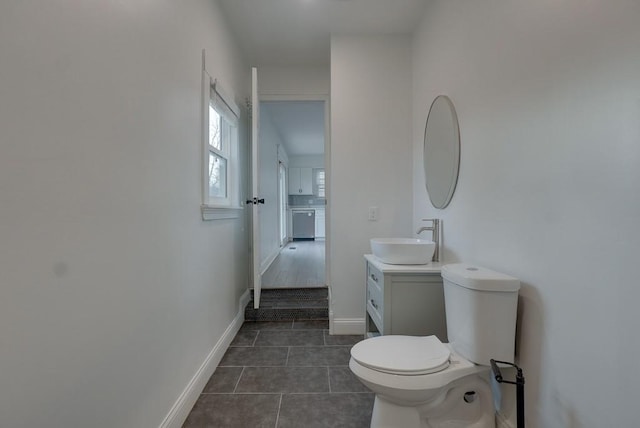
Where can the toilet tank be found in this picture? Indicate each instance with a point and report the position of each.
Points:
(480, 307)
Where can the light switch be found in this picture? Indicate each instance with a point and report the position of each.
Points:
(373, 213)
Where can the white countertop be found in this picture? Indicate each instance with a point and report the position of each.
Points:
(431, 267)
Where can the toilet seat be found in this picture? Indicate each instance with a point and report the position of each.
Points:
(402, 355)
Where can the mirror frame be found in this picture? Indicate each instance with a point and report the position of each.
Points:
(455, 167)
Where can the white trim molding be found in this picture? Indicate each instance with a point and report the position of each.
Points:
(183, 405)
(339, 326)
(211, 213)
(330, 309)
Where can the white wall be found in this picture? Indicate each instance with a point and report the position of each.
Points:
(271, 150)
(307, 161)
(294, 81)
(114, 291)
(547, 95)
(370, 158)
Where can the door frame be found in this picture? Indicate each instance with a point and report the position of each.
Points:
(283, 222)
(327, 174)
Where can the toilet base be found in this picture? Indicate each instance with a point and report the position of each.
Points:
(448, 410)
(386, 415)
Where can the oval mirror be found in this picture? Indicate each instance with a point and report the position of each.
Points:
(441, 151)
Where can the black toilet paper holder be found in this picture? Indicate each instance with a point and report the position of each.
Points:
(519, 383)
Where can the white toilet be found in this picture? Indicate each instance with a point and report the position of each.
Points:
(422, 382)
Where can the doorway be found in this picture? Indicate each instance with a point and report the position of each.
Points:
(292, 145)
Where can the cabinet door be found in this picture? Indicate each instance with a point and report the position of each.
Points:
(306, 181)
(300, 181)
(417, 306)
(294, 181)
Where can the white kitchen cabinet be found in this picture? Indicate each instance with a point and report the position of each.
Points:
(404, 299)
(320, 223)
(300, 181)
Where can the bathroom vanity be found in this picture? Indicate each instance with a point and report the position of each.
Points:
(404, 299)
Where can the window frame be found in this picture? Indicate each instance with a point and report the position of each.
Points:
(215, 97)
(319, 185)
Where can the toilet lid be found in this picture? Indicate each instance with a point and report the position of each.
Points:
(402, 355)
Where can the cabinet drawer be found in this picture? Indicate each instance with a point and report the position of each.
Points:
(375, 276)
(375, 303)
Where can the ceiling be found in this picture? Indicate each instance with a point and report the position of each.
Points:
(297, 32)
(299, 123)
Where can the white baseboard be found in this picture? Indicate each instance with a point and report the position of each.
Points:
(330, 310)
(181, 408)
(346, 325)
(265, 265)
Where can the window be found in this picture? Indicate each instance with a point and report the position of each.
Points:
(220, 149)
(218, 157)
(318, 182)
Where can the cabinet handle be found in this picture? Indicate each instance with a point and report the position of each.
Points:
(373, 303)
(375, 278)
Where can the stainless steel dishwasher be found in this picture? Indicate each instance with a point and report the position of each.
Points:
(304, 224)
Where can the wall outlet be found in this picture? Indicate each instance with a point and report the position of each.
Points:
(373, 213)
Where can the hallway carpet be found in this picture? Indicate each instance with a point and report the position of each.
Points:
(285, 374)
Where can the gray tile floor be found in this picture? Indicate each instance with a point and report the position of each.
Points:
(284, 374)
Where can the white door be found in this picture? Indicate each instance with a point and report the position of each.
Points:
(255, 189)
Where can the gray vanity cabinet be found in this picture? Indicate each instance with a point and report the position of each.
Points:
(405, 300)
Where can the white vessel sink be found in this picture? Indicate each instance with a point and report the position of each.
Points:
(403, 251)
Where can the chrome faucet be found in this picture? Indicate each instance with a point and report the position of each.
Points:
(435, 235)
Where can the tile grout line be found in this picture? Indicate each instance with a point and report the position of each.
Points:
(329, 379)
(309, 393)
(255, 339)
(286, 361)
(278, 413)
(252, 393)
(238, 381)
